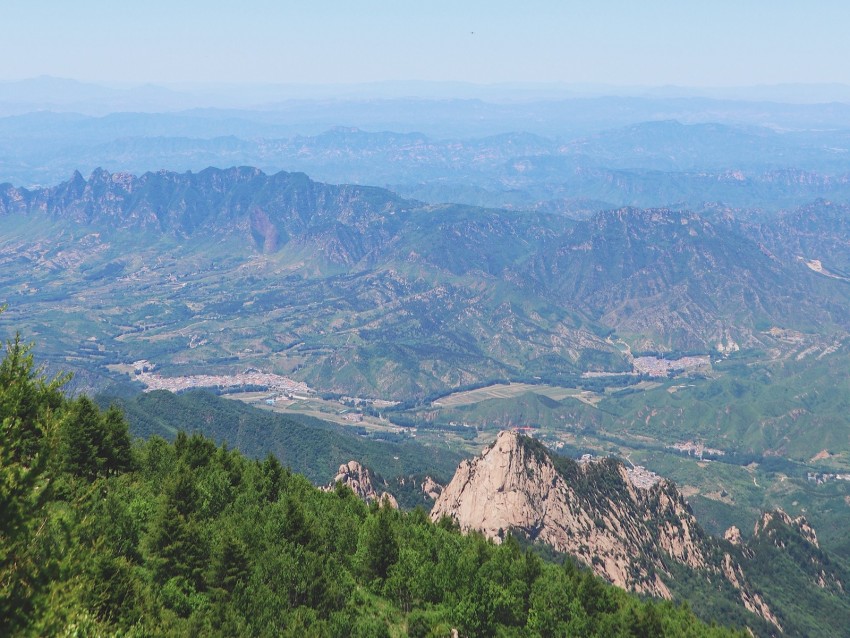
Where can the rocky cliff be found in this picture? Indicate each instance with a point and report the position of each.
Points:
(265, 211)
(359, 479)
(599, 516)
(777, 534)
(627, 534)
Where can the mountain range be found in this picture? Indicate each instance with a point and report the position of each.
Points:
(560, 156)
(367, 296)
(347, 286)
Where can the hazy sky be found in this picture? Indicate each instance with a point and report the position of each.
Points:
(627, 42)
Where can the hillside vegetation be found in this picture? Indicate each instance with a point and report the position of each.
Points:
(306, 445)
(356, 290)
(100, 536)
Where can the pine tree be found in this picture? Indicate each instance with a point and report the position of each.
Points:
(82, 444)
(27, 402)
(175, 541)
(229, 568)
(116, 449)
(378, 545)
(273, 474)
(27, 422)
(295, 526)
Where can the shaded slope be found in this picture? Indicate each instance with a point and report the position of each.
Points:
(308, 446)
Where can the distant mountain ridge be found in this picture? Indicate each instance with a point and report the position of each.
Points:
(473, 293)
(672, 154)
(271, 208)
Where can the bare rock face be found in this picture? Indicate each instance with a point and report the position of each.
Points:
(752, 601)
(766, 526)
(599, 516)
(592, 510)
(359, 479)
(733, 535)
(431, 488)
(264, 231)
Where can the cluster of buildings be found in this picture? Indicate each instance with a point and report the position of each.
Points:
(638, 475)
(642, 477)
(658, 367)
(821, 478)
(696, 449)
(250, 378)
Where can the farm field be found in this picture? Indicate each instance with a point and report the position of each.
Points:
(506, 391)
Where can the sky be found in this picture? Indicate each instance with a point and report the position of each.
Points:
(618, 42)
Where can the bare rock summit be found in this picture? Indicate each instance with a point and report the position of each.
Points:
(627, 534)
(359, 479)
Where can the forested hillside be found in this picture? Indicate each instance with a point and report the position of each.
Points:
(307, 445)
(101, 536)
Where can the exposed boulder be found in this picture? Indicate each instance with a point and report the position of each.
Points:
(431, 488)
(733, 535)
(359, 479)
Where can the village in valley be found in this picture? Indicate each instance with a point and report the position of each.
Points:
(143, 371)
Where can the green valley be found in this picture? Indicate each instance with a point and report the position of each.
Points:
(360, 326)
(98, 537)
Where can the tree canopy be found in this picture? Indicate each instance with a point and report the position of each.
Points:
(99, 535)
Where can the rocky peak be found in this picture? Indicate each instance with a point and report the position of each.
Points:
(591, 510)
(733, 535)
(431, 488)
(777, 534)
(767, 525)
(629, 534)
(359, 479)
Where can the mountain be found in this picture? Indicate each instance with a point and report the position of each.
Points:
(623, 526)
(521, 159)
(100, 536)
(816, 232)
(637, 531)
(808, 585)
(396, 273)
(698, 283)
(414, 298)
(244, 201)
(673, 146)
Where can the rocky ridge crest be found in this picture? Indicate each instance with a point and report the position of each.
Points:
(767, 525)
(626, 534)
(359, 479)
(777, 531)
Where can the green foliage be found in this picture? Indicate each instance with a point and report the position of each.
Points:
(312, 447)
(188, 538)
(27, 417)
(377, 546)
(94, 444)
(808, 587)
